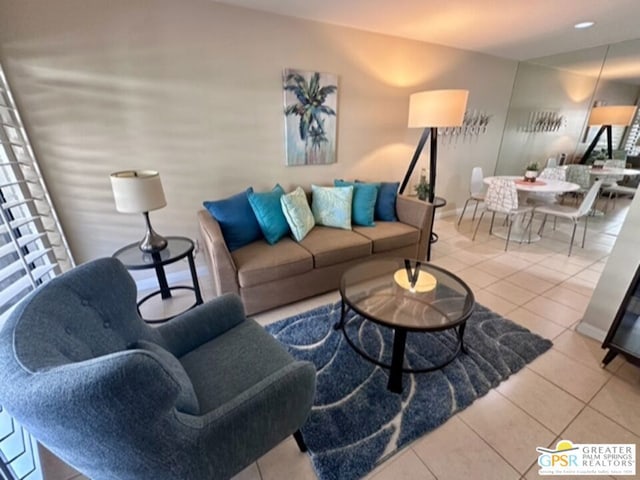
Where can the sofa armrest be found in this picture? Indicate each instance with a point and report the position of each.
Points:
(202, 324)
(221, 265)
(419, 214)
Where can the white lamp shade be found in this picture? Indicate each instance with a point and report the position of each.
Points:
(612, 115)
(137, 191)
(437, 108)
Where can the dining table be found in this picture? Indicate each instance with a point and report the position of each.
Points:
(524, 188)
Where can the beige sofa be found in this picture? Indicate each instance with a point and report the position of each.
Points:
(267, 276)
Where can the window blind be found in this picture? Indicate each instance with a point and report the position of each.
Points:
(33, 249)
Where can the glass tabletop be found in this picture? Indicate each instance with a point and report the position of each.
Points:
(133, 258)
(393, 292)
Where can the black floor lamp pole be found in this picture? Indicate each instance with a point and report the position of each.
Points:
(432, 164)
(594, 142)
(414, 160)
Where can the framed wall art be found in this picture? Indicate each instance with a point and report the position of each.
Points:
(310, 117)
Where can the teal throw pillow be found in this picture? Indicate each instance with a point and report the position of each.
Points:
(266, 207)
(187, 400)
(236, 218)
(386, 202)
(364, 202)
(331, 206)
(297, 212)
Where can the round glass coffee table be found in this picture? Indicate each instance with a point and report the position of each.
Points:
(406, 296)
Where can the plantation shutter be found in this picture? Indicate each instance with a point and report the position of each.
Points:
(33, 250)
(632, 141)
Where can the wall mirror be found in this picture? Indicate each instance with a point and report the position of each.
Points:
(552, 97)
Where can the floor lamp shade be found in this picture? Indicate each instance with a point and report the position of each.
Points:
(437, 108)
(607, 116)
(612, 115)
(140, 191)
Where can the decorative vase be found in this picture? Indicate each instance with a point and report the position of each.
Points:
(530, 175)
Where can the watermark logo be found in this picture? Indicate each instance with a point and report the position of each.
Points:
(570, 458)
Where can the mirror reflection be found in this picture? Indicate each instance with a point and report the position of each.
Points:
(551, 101)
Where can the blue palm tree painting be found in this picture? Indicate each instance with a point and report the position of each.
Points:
(310, 113)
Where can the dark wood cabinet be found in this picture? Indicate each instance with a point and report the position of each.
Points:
(624, 334)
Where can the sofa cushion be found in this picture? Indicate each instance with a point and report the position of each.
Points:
(389, 235)
(331, 206)
(260, 262)
(330, 246)
(296, 210)
(268, 211)
(364, 201)
(236, 218)
(187, 400)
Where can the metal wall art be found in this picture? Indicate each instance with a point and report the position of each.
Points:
(475, 123)
(545, 121)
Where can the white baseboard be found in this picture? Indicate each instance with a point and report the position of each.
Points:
(173, 278)
(591, 331)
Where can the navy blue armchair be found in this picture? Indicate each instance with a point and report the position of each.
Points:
(200, 397)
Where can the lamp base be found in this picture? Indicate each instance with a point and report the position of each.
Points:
(152, 242)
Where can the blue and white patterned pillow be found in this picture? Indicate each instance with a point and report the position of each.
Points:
(297, 212)
(331, 206)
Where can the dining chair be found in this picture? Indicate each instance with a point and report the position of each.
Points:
(551, 173)
(579, 174)
(571, 213)
(502, 197)
(552, 162)
(476, 192)
(610, 187)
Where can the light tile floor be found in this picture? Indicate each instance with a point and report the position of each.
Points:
(564, 394)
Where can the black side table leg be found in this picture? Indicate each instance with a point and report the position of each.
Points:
(165, 292)
(397, 360)
(194, 278)
(611, 354)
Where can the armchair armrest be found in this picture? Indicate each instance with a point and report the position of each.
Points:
(418, 214)
(241, 430)
(202, 324)
(221, 264)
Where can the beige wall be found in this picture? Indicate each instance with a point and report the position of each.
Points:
(193, 89)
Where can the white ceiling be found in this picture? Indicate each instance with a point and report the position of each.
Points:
(515, 29)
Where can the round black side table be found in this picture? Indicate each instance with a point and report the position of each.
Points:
(177, 248)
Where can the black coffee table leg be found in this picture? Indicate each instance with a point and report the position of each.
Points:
(343, 309)
(397, 361)
(460, 336)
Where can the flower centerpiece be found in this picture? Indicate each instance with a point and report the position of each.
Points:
(531, 172)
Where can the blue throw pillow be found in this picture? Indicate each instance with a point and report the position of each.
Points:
(268, 211)
(385, 209)
(364, 201)
(331, 206)
(236, 218)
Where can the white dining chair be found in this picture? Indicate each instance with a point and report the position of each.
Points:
(551, 173)
(476, 192)
(552, 162)
(610, 187)
(571, 213)
(576, 173)
(502, 197)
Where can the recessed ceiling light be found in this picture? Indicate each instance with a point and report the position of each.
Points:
(584, 25)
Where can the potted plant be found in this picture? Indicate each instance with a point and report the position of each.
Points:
(531, 172)
(423, 188)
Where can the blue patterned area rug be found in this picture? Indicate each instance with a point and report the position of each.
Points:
(356, 423)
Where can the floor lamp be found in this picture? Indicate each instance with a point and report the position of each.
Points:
(606, 117)
(430, 110)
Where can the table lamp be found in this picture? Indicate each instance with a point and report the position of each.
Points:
(140, 191)
(430, 110)
(606, 117)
